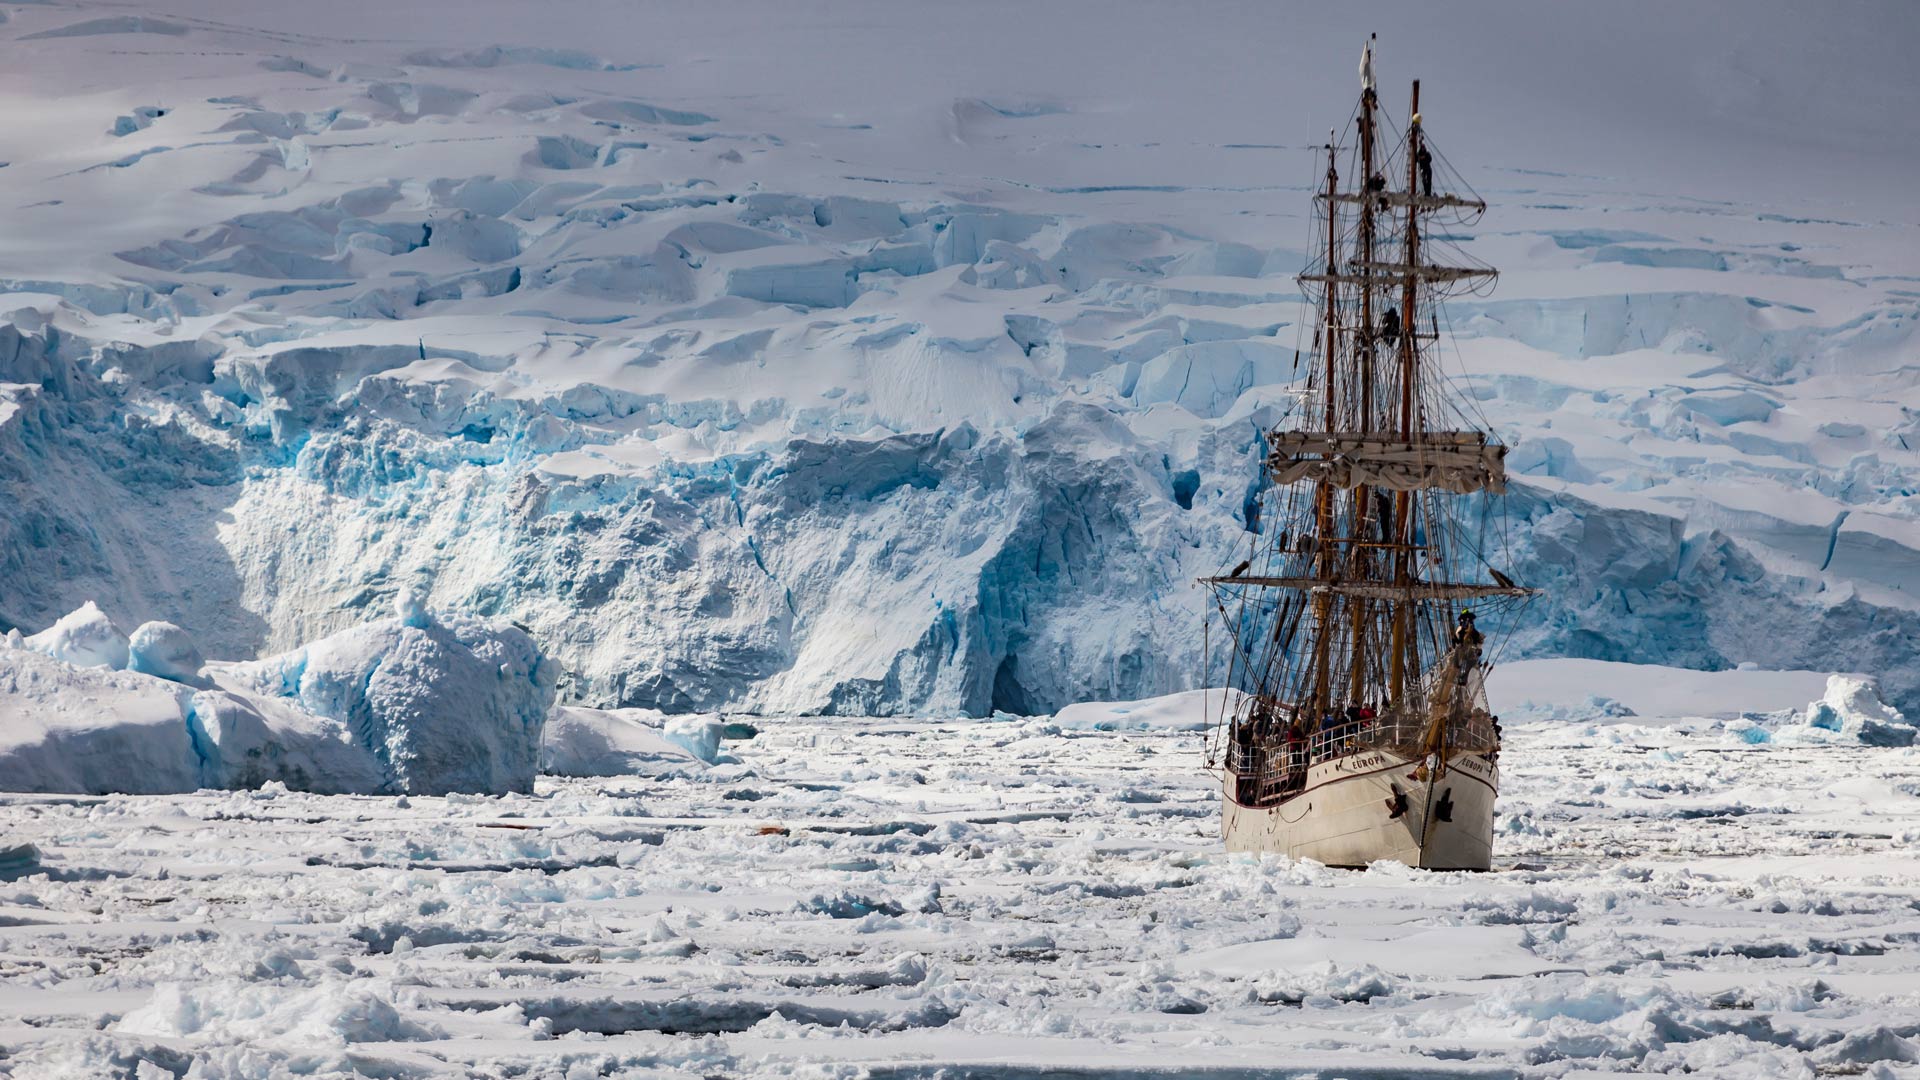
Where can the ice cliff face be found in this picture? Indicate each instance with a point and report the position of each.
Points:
(926, 403)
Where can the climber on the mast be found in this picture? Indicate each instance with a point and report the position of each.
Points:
(1467, 640)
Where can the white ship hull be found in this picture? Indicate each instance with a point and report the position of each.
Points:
(1344, 815)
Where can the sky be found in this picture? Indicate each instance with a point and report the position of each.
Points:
(1777, 100)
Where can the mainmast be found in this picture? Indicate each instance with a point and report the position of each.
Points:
(1323, 492)
(1402, 630)
(1356, 552)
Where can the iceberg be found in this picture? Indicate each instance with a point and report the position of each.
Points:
(92, 730)
(442, 702)
(84, 637)
(437, 705)
(1852, 707)
(164, 651)
(627, 742)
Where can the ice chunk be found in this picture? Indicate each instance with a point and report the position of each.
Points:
(1852, 706)
(697, 735)
(138, 120)
(165, 651)
(330, 1013)
(1859, 1048)
(410, 607)
(84, 637)
(91, 730)
(621, 742)
(454, 703)
(18, 860)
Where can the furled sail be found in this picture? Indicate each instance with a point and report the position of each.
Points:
(1378, 590)
(1458, 461)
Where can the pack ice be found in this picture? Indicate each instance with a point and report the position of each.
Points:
(1004, 897)
(770, 366)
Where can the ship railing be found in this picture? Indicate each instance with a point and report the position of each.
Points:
(1405, 734)
(1347, 737)
(1274, 757)
(1272, 760)
(1266, 773)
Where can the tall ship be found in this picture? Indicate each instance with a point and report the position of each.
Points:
(1358, 624)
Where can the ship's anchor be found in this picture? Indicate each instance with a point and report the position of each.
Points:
(1397, 805)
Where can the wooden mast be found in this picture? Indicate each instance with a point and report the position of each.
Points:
(1356, 554)
(1323, 602)
(1403, 641)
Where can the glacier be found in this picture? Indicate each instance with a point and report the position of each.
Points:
(932, 401)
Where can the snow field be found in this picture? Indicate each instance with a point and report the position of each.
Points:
(1007, 898)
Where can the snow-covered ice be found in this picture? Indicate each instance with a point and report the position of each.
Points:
(1005, 898)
